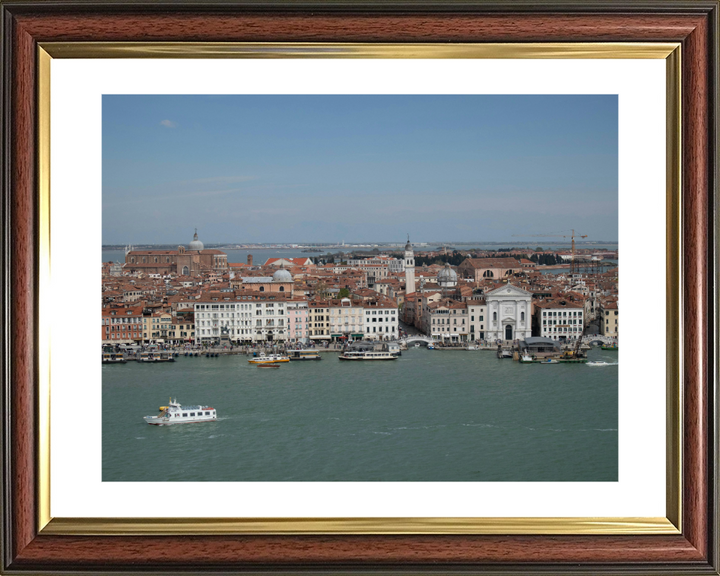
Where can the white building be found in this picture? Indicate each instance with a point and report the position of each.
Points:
(560, 319)
(508, 309)
(396, 266)
(409, 264)
(381, 321)
(250, 321)
(477, 312)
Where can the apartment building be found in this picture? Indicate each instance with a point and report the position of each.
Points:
(560, 319)
(609, 318)
(381, 320)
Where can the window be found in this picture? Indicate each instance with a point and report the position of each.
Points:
(522, 316)
(494, 316)
(184, 414)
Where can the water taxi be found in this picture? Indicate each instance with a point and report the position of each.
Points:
(174, 413)
(610, 347)
(304, 355)
(268, 359)
(367, 355)
(156, 356)
(113, 358)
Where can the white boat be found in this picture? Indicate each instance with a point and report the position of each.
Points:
(367, 355)
(549, 361)
(525, 358)
(471, 347)
(268, 359)
(174, 413)
(430, 347)
(417, 345)
(597, 363)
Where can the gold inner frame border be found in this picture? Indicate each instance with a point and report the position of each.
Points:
(671, 524)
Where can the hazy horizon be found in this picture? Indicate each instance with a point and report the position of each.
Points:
(391, 243)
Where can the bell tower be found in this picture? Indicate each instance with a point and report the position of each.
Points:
(409, 268)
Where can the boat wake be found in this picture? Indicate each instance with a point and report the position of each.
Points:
(546, 429)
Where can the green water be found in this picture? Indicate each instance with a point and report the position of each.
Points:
(428, 416)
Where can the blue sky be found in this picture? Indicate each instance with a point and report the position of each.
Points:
(358, 168)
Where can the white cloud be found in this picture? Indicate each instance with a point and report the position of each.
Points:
(169, 124)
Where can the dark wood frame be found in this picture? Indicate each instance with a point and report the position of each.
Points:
(694, 23)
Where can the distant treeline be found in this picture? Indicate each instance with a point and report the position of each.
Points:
(545, 259)
(454, 259)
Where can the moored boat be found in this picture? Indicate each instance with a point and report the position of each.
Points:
(367, 355)
(174, 413)
(302, 355)
(113, 358)
(156, 356)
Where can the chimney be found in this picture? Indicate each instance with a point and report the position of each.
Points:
(249, 260)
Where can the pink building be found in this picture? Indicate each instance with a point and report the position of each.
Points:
(297, 313)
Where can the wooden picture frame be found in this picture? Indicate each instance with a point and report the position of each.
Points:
(29, 546)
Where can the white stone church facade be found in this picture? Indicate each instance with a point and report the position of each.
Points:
(508, 311)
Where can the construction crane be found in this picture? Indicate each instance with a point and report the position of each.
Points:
(572, 236)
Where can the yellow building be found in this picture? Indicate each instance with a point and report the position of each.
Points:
(319, 321)
(609, 319)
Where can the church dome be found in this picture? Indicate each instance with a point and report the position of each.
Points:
(447, 277)
(196, 244)
(408, 246)
(282, 275)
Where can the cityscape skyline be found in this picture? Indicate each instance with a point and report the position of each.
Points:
(324, 168)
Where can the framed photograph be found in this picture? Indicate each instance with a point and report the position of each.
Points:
(292, 125)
